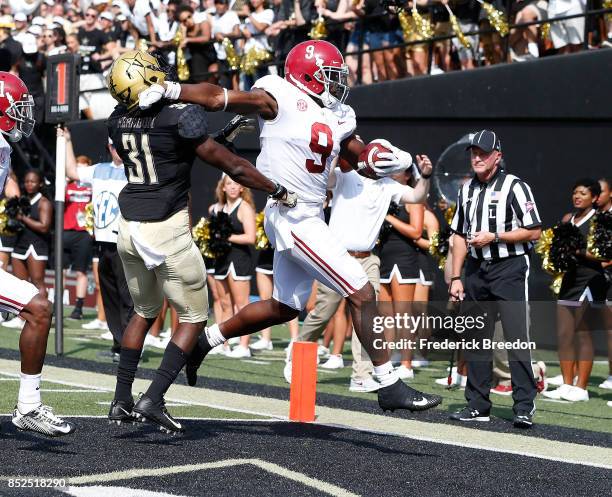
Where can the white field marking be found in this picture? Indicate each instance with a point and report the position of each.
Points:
(171, 399)
(81, 339)
(96, 491)
(511, 443)
(275, 469)
(9, 379)
(326, 371)
(168, 404)
(254, 361)
(188, 418)
(68, 390)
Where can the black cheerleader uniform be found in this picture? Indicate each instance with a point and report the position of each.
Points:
(7, 243)
(239, 260)
(398, 256)
(586, 282)
(265, 260)
(29, 242)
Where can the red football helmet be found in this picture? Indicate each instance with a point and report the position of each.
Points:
(317, 68)
(16, 106)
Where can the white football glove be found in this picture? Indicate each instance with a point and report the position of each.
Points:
(393, 162)
(155, 93)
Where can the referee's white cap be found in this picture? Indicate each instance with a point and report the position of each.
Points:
(486, 140)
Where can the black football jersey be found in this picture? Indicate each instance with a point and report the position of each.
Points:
(157, 147)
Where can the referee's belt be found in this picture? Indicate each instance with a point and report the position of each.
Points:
(357, 254)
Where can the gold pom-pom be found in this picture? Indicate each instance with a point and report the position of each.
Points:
(253, 59)
(542, 248)
(201, 237)
(3, 217)
(423, 25)
(318, 30)
(607, 4)
(89, 218)
(261, 239)
(545, 30)
(449, 213)
(497, 19)
(457, 30)
(406, 25)
(233, 59)
(434, 249)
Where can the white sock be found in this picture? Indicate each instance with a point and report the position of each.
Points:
(214, 336)
(533, 49)
(386, 374)
(29, 393)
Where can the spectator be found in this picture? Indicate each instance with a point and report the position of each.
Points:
(197, 38)
(336, 11)
(57, 39)
(468, 15)
(31, 68)
(110, 28)
(78, 243)
(95, 47)
(142, 19)
(359, 40)
(7, 242)
(21, 26)
(7, 42)
(568, 35)
(225, 24)
(258, 20)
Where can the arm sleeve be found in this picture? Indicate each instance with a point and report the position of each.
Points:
(524, 206)
(458, 224)
(193, 123)
(86, 174)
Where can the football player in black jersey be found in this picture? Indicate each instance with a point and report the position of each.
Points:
(158, 147)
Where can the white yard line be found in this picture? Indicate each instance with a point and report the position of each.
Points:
(449, 434)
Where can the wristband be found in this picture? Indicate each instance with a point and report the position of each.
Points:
(225, 100)
(426, 176)
(496, 239)
(279, 192)
(455, 278)
(173, 90)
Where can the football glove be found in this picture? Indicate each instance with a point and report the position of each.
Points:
(154, 93)
(393, 162)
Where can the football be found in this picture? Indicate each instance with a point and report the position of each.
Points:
(368, 156)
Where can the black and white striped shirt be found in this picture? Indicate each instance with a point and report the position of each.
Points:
(504, 204)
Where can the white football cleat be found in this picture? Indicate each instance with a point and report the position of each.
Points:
(15, 323)
(368, 384)
(106, 336)
(404, 373)
(333, 362)
(96, 324)
(322, 351)
(156, 342)
(42, 420)
(575, 394)
(262, 344)
(239, 352)
(287, 370)
(220, 349)
(557, 392)
(607, 384)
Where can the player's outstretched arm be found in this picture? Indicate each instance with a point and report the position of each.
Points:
(242, 171)
(418, 194)
(212, 97)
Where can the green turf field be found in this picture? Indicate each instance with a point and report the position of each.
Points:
(267, 368)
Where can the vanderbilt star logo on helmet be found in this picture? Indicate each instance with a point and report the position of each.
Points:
(131, 73)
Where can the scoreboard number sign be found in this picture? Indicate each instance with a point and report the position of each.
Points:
(62, 103)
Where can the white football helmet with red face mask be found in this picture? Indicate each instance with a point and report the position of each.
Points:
(317, 68)
(16, 107)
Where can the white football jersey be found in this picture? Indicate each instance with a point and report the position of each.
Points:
(300, 144)
(5, 162)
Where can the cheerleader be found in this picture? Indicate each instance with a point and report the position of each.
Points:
(604, 204)
(399, 264)
(234, 270)
(31, 252)
(582, 287)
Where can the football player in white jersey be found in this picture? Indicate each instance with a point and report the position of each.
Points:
(305, 126)
(18, 296)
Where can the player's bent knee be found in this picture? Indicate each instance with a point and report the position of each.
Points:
(38, 312)
(364, 294)
(286, 312)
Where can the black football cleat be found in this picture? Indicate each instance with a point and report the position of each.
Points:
(158, 414)
(121, 412)
(401, 396)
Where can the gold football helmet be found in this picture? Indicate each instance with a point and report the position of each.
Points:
(131, 73)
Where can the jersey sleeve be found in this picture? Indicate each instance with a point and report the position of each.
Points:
(347, 120)
(274, 85)
(459, 222)
(86, 174)
(524, 206)
(395, 189)
(193, 123)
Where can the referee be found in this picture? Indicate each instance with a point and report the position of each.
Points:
(495, 225)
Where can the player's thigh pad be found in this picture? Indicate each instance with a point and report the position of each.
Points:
(182, 276)
(322, 256)
(143, 284)
(15, 293)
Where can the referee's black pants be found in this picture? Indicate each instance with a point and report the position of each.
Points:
(118, 305)
(500, 288)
